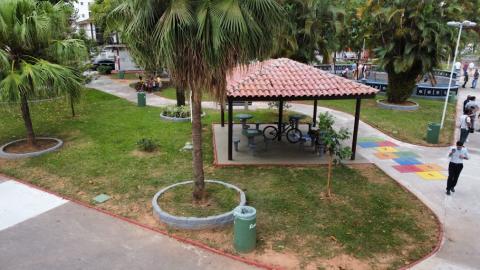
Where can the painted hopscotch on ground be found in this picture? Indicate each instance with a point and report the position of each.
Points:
(408, 161)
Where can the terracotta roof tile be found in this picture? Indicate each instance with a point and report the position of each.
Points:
(287, 78)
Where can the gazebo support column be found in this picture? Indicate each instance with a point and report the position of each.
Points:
(355, 127)
(315, 103)
(230, 129)
(222, 114)
(280, 119)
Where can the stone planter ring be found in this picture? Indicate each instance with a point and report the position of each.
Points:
(384, 105)
(176, 119)
(195, 223)
(6, 155)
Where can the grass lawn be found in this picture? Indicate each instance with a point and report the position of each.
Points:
(405, 126)
(170, 93)
(371, 221)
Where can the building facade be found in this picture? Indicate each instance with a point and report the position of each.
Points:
(83, 20)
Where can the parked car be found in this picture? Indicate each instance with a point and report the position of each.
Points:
(105, 62)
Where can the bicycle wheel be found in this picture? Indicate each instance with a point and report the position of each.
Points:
(294, 135)
(270, 132)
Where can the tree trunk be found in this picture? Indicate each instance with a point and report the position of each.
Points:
(400, 86)
(180, 96)
(329, 175)
(27, 120)
(72, 107)
(198, 174)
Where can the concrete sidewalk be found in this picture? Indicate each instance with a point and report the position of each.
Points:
(42, 231)
(459, 213)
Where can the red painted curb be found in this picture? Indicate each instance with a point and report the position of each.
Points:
(134, 222)
(439, 224)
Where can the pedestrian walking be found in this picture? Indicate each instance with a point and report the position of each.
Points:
(465, 76)
(475, 79)
(473, 107)
(457, 155)
(458, 66)
(465, 125)
(465, 103)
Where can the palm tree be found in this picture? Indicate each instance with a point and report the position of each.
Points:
(200, 41)
(32, 46)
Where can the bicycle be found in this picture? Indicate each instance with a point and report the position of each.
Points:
(293, 134)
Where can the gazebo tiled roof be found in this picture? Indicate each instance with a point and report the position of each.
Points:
(286, 78)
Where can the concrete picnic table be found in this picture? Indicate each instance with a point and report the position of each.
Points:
(243, 117)
(251, 134)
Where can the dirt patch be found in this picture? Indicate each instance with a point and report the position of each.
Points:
(342, 262)
(371, 172)
(142, 154)
(23, 147)
(283, 260)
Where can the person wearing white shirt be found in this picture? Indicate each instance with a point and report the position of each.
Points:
(472, 105)
(465, 125)
(457, 155)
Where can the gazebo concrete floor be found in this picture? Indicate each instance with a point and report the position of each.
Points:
(276, 153)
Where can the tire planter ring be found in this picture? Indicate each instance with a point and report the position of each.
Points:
(6, 155)
(176, 119)
(388, 106)
(195, 223)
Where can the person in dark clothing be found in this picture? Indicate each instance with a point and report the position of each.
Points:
(465, 74)
(457, 155)
(465, 103)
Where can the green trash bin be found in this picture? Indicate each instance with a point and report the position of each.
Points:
(452, 98)
(142, 99)
(433, 133)
(245, 228)
(121, 74)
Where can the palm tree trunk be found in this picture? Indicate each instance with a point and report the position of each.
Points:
(72, 107)
(198, 174)
(27, 120)
(329, 176)
(180, 96)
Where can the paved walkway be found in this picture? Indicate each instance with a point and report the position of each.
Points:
(42, 231)
(459, 213)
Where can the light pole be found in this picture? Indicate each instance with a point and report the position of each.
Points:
(461, 25)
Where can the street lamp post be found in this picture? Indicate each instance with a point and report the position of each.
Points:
(461, 25)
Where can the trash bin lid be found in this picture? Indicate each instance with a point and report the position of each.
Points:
(245, 212)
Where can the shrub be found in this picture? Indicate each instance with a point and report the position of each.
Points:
(147, 145)
(177, 111)
(104, 70)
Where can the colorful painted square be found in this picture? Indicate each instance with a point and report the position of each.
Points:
(370, 139)
(432, 175)
(407, 168)
(430, 167)
(368, 144)
(407, 161)
(386, 155)
(387, 143)
(387, 149)
(406, 154)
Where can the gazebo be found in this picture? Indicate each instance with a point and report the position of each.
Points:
(287, 80)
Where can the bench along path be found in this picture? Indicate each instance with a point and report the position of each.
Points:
(41, 231)
(459, 213)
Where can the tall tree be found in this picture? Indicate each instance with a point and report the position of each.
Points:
(412, 38)
(32, 46)
(200, 41)
(311, 27)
